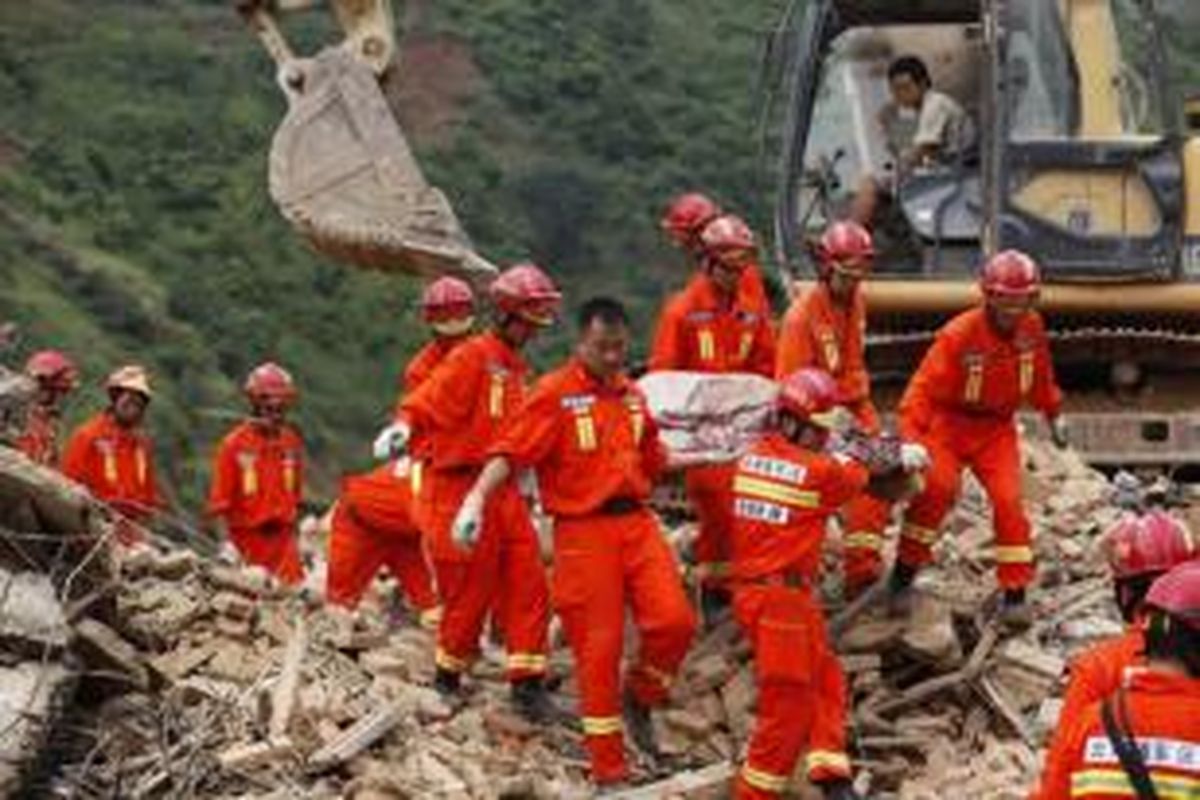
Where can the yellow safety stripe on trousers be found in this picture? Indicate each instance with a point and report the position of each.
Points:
(926, 536)
(767, 781)
(447, 661)
(863, 540)
(1115, 781)
(1014, 554)
(707, 345)
(496, 397)
(974, 387)
(601, 726)
(829, 760)
(1025, 373)
(833, 354)
(778, 492)
(532, 662)
(143, 467)
(585, 430)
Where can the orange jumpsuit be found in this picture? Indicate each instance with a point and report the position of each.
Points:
(39, 440)
(697, 332)
(1098, 672)
(960, 404)
(456, 414)
(783, 496)
(375, 524)
(596, 451)
(754, 287)
(116, 464)
(819, 333)
(1164, 714)
(257, 487)
(373, 528)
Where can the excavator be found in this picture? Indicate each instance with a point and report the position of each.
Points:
(340, 169)
(1085, 155)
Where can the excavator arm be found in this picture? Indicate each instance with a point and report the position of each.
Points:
(340, 169)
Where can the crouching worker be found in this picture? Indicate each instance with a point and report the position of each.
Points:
(373, 528)
(586, 431)
(784, 492)
(258, 477)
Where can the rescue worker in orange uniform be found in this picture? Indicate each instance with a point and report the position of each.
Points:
(825, 328)
(684, 221)
(56, 377)
(1150, 727)
(713, 325)
(112, 455)
(982, 367)
(783, 492)
(1141, 548)
(258, 477)
(586, 431)
(458, 412)
(375, 520)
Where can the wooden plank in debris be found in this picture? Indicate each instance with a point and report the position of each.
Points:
(251, 755)
(690, 785)
(357, 738)
(102, 644)
(283, 696)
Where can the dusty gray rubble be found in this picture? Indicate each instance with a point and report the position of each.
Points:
(161, 673)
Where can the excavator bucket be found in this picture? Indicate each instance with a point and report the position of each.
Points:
(344, 176)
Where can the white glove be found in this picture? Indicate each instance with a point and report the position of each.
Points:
(468, 523)
(914, 457)
(391, 441)
(1059, 433)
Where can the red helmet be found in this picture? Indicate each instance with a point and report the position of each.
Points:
(53, 368)
(1178, 593)
(846, 246)
(1147, 543)
(269, 381)
(527, 292)
(1011, 274)
(687, 215)
(809, 394)
(726, 233)
(447, 299)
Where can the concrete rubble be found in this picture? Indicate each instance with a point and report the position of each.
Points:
(160, 673)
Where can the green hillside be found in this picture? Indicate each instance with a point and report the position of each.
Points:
(135, 225)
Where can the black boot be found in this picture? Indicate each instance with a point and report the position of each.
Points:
(639, 724)
(448, 683)
(840, 789)
(532, 701)
(1015, 613)
(714, 602)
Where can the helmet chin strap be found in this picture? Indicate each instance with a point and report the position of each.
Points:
(453, 327)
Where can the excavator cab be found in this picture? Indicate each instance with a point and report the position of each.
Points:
(1079, 154)
(1075, 147)
(340, 169)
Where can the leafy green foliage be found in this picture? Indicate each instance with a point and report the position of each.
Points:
(136, 224)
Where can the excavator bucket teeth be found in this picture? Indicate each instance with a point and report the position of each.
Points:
(344, 176)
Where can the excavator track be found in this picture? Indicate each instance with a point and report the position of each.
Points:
(1149, 423)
